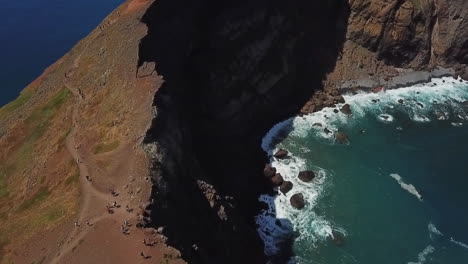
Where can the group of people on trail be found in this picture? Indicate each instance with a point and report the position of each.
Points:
(77, 224)
(125, 228)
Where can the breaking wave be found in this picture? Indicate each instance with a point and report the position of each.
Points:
(441, 99)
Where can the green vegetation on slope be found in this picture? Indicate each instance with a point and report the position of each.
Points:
(37, 198)
(103, 148)
(17, 103)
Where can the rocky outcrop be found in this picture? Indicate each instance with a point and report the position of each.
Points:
(269, 171)
(281, 154)
(412, 33)
(277, 180)
(306, 176)
(297, 201)
(286, 187)
(341, 137)
(346, 109)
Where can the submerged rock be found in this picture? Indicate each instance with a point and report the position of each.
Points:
(341, 137)
(306, 176)
(269, 171)
(286, 187)
(297, 201)
(338, 238)
(281, 154)
(346, 109)
(277, 180)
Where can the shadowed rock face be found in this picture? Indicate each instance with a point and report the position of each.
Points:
(412, 33)
(231, 71)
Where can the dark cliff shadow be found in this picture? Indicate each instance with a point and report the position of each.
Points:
(231, 71)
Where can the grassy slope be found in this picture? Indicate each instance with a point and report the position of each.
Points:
(53, 197)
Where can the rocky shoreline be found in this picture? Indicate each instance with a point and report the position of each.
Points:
(404, 78)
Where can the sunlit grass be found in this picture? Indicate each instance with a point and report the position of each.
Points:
(103, 148)
(17, 103)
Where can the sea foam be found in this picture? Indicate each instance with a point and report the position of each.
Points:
(441, 99)
(408, 187)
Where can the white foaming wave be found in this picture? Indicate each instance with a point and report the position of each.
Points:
(386, 118)
(269, 138)
(418, 100)
(422, 256)
(433, 229)
(461, 244)
(309, 226)
(420, 119)
(446, 90)
(408, 187)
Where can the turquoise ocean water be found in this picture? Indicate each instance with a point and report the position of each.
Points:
(397, 192)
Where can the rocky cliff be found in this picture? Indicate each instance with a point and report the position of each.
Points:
(411, 33)
(172, 99)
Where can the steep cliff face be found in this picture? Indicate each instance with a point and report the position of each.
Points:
(231, 71)
(411, 33)
(209, 78)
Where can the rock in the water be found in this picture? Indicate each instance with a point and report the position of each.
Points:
(346, 109)
(400, 101)
(339, 99)
(297, 201)
(278, 223)
(286, 187)
(277, 180)
(327, 131)
(338, 238)
(317, 125)
(341, 137)
(306, 176)
(269, 171)
(420, 105)
(281, 154)
(464, 76)
(335, 111)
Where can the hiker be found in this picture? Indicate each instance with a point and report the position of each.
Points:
(128, 209)
(77, 224)
(114, 204)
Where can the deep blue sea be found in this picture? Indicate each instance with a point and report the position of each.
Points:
(397, 192)
(36, 33)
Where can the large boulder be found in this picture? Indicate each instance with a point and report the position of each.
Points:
(286, 187)
(346, 109)
(277, 180)
(464, 75)
(269, 171)
(297, 201)
(281, 154)
(306, 176)
(341, 137)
